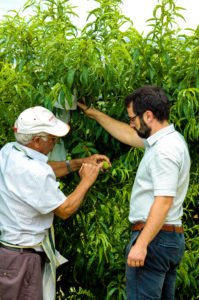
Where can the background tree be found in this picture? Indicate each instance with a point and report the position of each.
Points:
(45, 58)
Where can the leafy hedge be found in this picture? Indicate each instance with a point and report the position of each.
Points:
(45, 57)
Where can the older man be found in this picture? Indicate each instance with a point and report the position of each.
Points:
(30, 197)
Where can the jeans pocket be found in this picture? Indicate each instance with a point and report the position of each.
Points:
(133, 239)
(172, 245)
(168, 244)
(170, 240)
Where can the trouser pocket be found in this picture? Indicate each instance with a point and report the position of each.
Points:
(132, 241)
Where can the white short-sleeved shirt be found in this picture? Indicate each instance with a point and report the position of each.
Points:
(163, 171)
(28, 195)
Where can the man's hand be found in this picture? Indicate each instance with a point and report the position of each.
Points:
(119, 130)
(89, 172)
(82, 105)
(89, 111)
(157, 215)
(136, 256)
(96, 159)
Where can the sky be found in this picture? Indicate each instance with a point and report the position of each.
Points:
(137, 10)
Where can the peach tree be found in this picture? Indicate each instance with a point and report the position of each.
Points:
(45, 58)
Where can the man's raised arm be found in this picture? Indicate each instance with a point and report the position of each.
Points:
(119, 130)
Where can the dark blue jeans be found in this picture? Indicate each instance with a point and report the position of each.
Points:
(156, 279)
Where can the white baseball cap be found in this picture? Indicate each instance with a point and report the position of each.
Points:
(39, 119)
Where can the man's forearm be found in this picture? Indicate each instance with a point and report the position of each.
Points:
(155, 221)
(60, 168)
(73, 202)
(88, 174)
(119, 130)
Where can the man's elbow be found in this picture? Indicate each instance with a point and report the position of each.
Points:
(64, 212)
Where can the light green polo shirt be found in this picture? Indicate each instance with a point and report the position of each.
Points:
(163, 171)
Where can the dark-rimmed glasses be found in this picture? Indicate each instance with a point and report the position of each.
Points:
(132, 119)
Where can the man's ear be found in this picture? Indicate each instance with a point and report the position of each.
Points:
(35, 143)
(149, 116)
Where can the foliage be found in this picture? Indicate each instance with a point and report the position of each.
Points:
(45, 58)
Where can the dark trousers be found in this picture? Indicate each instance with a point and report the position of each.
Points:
(20, 275)
(156, 279)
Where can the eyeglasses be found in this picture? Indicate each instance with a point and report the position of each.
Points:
(55, 139)
(52, 137)
(132, 119)
(46, 138)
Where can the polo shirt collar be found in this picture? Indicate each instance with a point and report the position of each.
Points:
(159, 134)
(30, 152)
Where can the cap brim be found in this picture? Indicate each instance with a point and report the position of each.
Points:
(61, 129)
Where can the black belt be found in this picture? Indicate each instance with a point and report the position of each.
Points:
(166, 227)
(21, 250)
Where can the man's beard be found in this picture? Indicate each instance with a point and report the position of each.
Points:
(144, 131)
